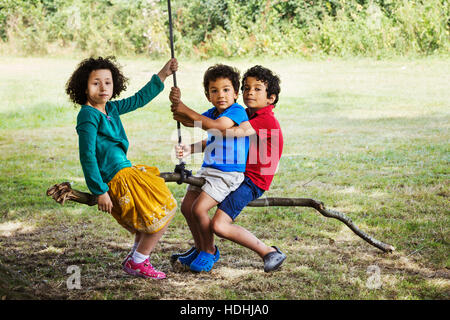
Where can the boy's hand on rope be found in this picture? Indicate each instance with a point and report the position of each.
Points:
(175, 95)
(187, 122)
(179, 109)
(182, 151)
(170, 67)
(104, 203)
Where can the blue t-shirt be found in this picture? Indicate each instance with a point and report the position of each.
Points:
(222, 153)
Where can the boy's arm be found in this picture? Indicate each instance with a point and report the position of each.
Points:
(182, 151)
(181, 111)
(245, 129)
(184, 120)
(198, 146)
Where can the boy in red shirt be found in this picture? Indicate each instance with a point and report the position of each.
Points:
(260, 88)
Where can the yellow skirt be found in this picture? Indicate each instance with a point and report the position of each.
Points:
(141, 200)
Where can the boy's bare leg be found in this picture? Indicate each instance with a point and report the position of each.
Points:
(148, 241)
(186, 210)
(201, 206)
(223, 226)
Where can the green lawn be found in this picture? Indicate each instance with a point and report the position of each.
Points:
(368, 138)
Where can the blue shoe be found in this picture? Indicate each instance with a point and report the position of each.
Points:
(216, 255)
(203, 262)
(175, 256)
(187, 259)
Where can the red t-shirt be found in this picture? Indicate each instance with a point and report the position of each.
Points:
(265, 147)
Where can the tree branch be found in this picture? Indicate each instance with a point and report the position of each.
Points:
(63, 192)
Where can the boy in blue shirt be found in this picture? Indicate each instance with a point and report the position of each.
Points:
(223, 166)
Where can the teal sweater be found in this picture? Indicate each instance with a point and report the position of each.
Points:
(103, 143)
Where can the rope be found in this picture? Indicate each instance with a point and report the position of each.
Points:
(179, 168)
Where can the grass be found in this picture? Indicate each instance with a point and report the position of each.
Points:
(368, 138)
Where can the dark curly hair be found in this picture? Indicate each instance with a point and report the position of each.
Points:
(77, 84)
(221, 71)
(271, 80)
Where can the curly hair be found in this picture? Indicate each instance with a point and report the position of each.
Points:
(77, 84)
(271, 80)
(221, 71)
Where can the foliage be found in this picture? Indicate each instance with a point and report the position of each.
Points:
(106, 26)
(228, 28)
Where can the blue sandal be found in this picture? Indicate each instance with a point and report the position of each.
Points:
(217, 255)
(187, 259)
(203, 262)
(175, 256)
(206, 262)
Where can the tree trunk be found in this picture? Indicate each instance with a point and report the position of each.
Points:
(63, 191)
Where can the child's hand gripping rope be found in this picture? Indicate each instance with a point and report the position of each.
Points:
(178, 108)
(170, 67)
(182, 151)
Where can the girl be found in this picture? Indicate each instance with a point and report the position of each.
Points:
(135, 195)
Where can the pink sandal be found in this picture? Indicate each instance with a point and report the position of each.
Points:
(126, 259)
(143, 270)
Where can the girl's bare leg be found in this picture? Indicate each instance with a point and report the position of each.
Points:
(137, 237)
(148, 241)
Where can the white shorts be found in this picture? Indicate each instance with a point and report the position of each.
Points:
(218, 183)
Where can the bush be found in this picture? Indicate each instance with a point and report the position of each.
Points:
(227, 28)
(105, 26)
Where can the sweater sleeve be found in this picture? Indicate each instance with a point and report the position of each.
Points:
(142, 97)
(87, 127)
